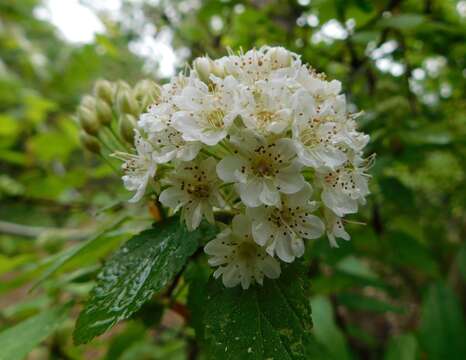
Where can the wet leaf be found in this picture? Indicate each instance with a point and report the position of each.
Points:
(143, 265)
(269, 321)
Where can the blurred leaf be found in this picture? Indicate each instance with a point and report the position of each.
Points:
(80, 251)
(360, 302)
(461, 261)
(143, 265)
(442, 330)
(403, 21)
(8, 263)
(26, 308)
(18, 341)
(403, 347)
(51, 146)
(326, 330)
(355, 266)
(408, 252)
(173, 350)
(9, 126)
(133, 333)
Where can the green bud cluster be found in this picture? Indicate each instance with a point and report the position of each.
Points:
(108, 116)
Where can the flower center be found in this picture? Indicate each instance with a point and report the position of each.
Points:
(264, 168)
(264, 117)
(215, 119)
(200, 191)
(247, 251)
(308, 137)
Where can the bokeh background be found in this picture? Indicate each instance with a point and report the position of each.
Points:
(396, 291)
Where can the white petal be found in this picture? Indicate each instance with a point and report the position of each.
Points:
(300, 198)
(241, 225)
(261, 232)
(297, 246)
(290, 181)
(250, 192)
(173, 197)
(189, 151)
(230, 276)
(271, 267)
(212, 137)
(196, 217)
(283, 249)
(228, 166)
(269, 194)
(340, 204)
(312, 228)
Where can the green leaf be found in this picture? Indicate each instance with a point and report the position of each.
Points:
(18, 341)
(443, 330)
(403, 347)
(325, 329)
(269, 321)
(142, 266)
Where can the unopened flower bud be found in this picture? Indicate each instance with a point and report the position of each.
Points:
(88, 102)
(127, 103)
(88, 120)
(218, 69)
(104, 90)
(104, 112)
(146, 88)
(126, 125)
(280, 57)
(203, 67)
(90, 142)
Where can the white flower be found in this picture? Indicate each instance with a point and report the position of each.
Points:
(316, 84)
(317, 133)
(262, 169)
(239, 259)
(282, 230)
(169, 144)
(139, 168)
(335, 229)
(345, 187)
(267, 107)
(257, 64)
(206, 114)
(159, 116)
(193, 186)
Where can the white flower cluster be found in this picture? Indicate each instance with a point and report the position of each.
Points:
(261, 136)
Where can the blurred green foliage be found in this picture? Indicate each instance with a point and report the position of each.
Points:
(396, 291)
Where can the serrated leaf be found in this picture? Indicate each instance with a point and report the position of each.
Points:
(269, 321)
(17, 341)
(443, 330)
(143, 265)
